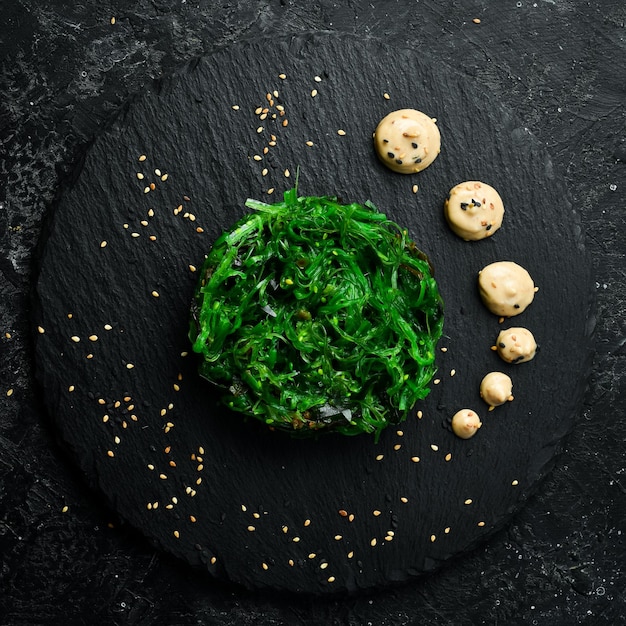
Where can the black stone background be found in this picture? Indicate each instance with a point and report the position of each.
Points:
(65, 69)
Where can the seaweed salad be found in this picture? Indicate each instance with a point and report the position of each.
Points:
(316, 316)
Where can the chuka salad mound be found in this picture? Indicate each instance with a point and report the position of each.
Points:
(317, 316)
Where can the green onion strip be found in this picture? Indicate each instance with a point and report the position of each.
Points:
(317, 316)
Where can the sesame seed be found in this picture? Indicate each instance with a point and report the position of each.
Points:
(515, 483)
(323, 565)
(404, 500)
(164, 177)
(155, 293)
(419, 415)
(257, 157)
(213, 560)
(436, 381)
(343, 513)
(397, 446)
(313, 93)
(399, 433)
(176, 534)
(380, 457)
(434, 447)
(75, 338)
(468, 501)
(312, 555)
(251, 529)
(259, 129)
(317, 79)
(448, 456)
(163, 476)
(375, 512)
(331, 579)
(65, 509)
(9, 393)
(112, 21)
(285, 122)
(444, 349)
(338, 537)
(129, 366)
(140, 176)
(309, 143)
(235, 107)
(373, 542)
(433, 538)
(481, 523)
(415, 459)
(146, 189)
(341, 132)
(71, 388)
(265, 566)
(142, 158)
(93, 337)
(452, 372)
(446, 530)
(307, 522)
(192, 268)
(386, 96)
(41, 330)
(110, 453)
(476, 20)
(282, 76)
(287, 173)
(296, 539)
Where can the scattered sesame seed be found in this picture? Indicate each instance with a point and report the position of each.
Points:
(343, 513)
(251, 529)
(285, 122)
(376, 513)
(93, 337)
(129, 366)
(176, 534)
(65, 509)
(213, 560)
(446, 530)
(317, 79)
(433, 538)
(110, 453)
(481, 523)
(331, 579)
(257, 157)
(313, 93)
(112, 21)
(192, 268)
(436, 381)
(103, 244)
(468, 501)
(404, 500)
(164, 177)
(341, 132)
(434, 447)
(309, 143)
(75, 338)
(386, 96)
(146, 189)
(296, 539)
(373, 542)
(139, 175)
(142, 158)
(380, 457)
(71, 388)
(515, 483)
(399, 433)
(476, 20)
(444, 349)
(312, 555)
(41, 330)
(419, 415)
(415, 459)
(9, 393)
(265, 566)
(448, 456)
(338, 537)
(282, 76)
(235, 107)
(287, 173)
(452, 372)
(270, 191)
(155, 293)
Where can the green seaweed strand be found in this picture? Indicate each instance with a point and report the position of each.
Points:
(317, 316)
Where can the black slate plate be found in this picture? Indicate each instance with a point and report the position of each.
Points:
(115, 285)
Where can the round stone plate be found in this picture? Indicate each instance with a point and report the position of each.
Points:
(117, 276)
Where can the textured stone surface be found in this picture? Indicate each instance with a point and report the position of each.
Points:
(65, 69)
